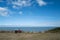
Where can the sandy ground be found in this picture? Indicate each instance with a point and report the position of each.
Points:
(30, 36)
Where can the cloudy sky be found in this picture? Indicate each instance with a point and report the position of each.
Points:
(30, 12)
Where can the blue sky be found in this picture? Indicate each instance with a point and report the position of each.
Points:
(30, 12)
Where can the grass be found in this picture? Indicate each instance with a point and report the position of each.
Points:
(30, 36)
(53, 34)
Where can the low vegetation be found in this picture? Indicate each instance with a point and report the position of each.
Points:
(55, 30)
(48, 35)
(30, 36)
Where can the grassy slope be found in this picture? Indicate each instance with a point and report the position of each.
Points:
(29, 36)
(32, 36)
(55, 30)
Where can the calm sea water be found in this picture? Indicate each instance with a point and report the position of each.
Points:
(35, 29)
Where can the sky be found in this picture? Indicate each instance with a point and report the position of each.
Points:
(30, 12)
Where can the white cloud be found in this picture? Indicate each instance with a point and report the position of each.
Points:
(4, 11)
(25, 3)
(2, 8)
(21, 3)
(41, 2)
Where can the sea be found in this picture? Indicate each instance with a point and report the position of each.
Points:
(27, 29)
